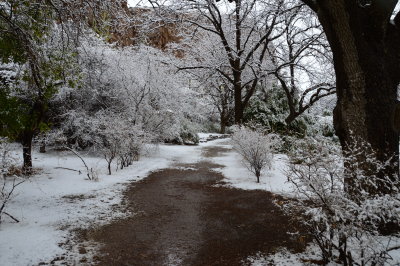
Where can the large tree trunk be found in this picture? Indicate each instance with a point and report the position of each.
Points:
(237, 89)
(238, 103)
(366, 84)
(27, 152)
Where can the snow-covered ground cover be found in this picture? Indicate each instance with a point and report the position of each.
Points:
(311, 256)
(284, 257)
(57, 200)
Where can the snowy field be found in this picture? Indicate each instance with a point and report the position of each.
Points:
(56, 201)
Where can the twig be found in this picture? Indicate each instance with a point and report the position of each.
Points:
(79, 171)
(80, 157)
(12, 217)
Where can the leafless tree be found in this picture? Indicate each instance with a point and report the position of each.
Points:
(255, 148)
(243, 30)
(303, 61)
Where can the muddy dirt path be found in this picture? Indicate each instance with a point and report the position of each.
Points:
(183, 218)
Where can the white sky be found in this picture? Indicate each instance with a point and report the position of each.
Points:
(146, 3)
(138, 2)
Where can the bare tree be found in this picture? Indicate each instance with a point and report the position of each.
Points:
(303, 61)
(243, 30)
(210, 83)
(222, 98)
(244, 44)
(255, 148)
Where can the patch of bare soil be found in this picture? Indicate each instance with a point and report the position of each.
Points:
(213, 151)
(182, 219)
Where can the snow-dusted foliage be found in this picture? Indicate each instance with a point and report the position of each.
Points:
(137, 83)
(348, 222)
(255, 148)
(6, 159)
(8, 179)
(111, 135)
(227, 54)
(119, 139)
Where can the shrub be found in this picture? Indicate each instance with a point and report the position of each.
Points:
(346, 228)
(255, 149)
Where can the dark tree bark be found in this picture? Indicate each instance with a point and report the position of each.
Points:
(224, 118)
(258, 174)
(245, 44)
(42, 148)
(238, 88)
(26, 141)
(366, 51)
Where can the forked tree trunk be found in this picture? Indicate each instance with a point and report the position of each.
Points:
(367, 76)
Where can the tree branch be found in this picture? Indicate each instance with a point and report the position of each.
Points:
(397, 20)
(12, 217)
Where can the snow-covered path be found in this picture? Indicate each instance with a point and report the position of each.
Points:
(57, 201)
(186, 216)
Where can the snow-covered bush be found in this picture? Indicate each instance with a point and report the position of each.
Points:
(133, 145)
(255, 148)
(140, 82)
(185, 134)
(115, 136)
(6, 159)
(8, 180)
(348, 227)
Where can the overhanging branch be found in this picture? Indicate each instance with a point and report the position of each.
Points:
(397, 20)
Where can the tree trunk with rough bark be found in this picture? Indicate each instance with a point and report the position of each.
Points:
(365, 46)
(237, 88)
(26, 141)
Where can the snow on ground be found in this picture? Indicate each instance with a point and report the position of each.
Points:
(238, 176)
(312, 253)
(284, 257)
(57, 200)
(204, 136)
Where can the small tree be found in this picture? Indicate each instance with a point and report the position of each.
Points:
(255, 148)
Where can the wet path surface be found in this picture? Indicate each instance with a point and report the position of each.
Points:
(182, 217)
